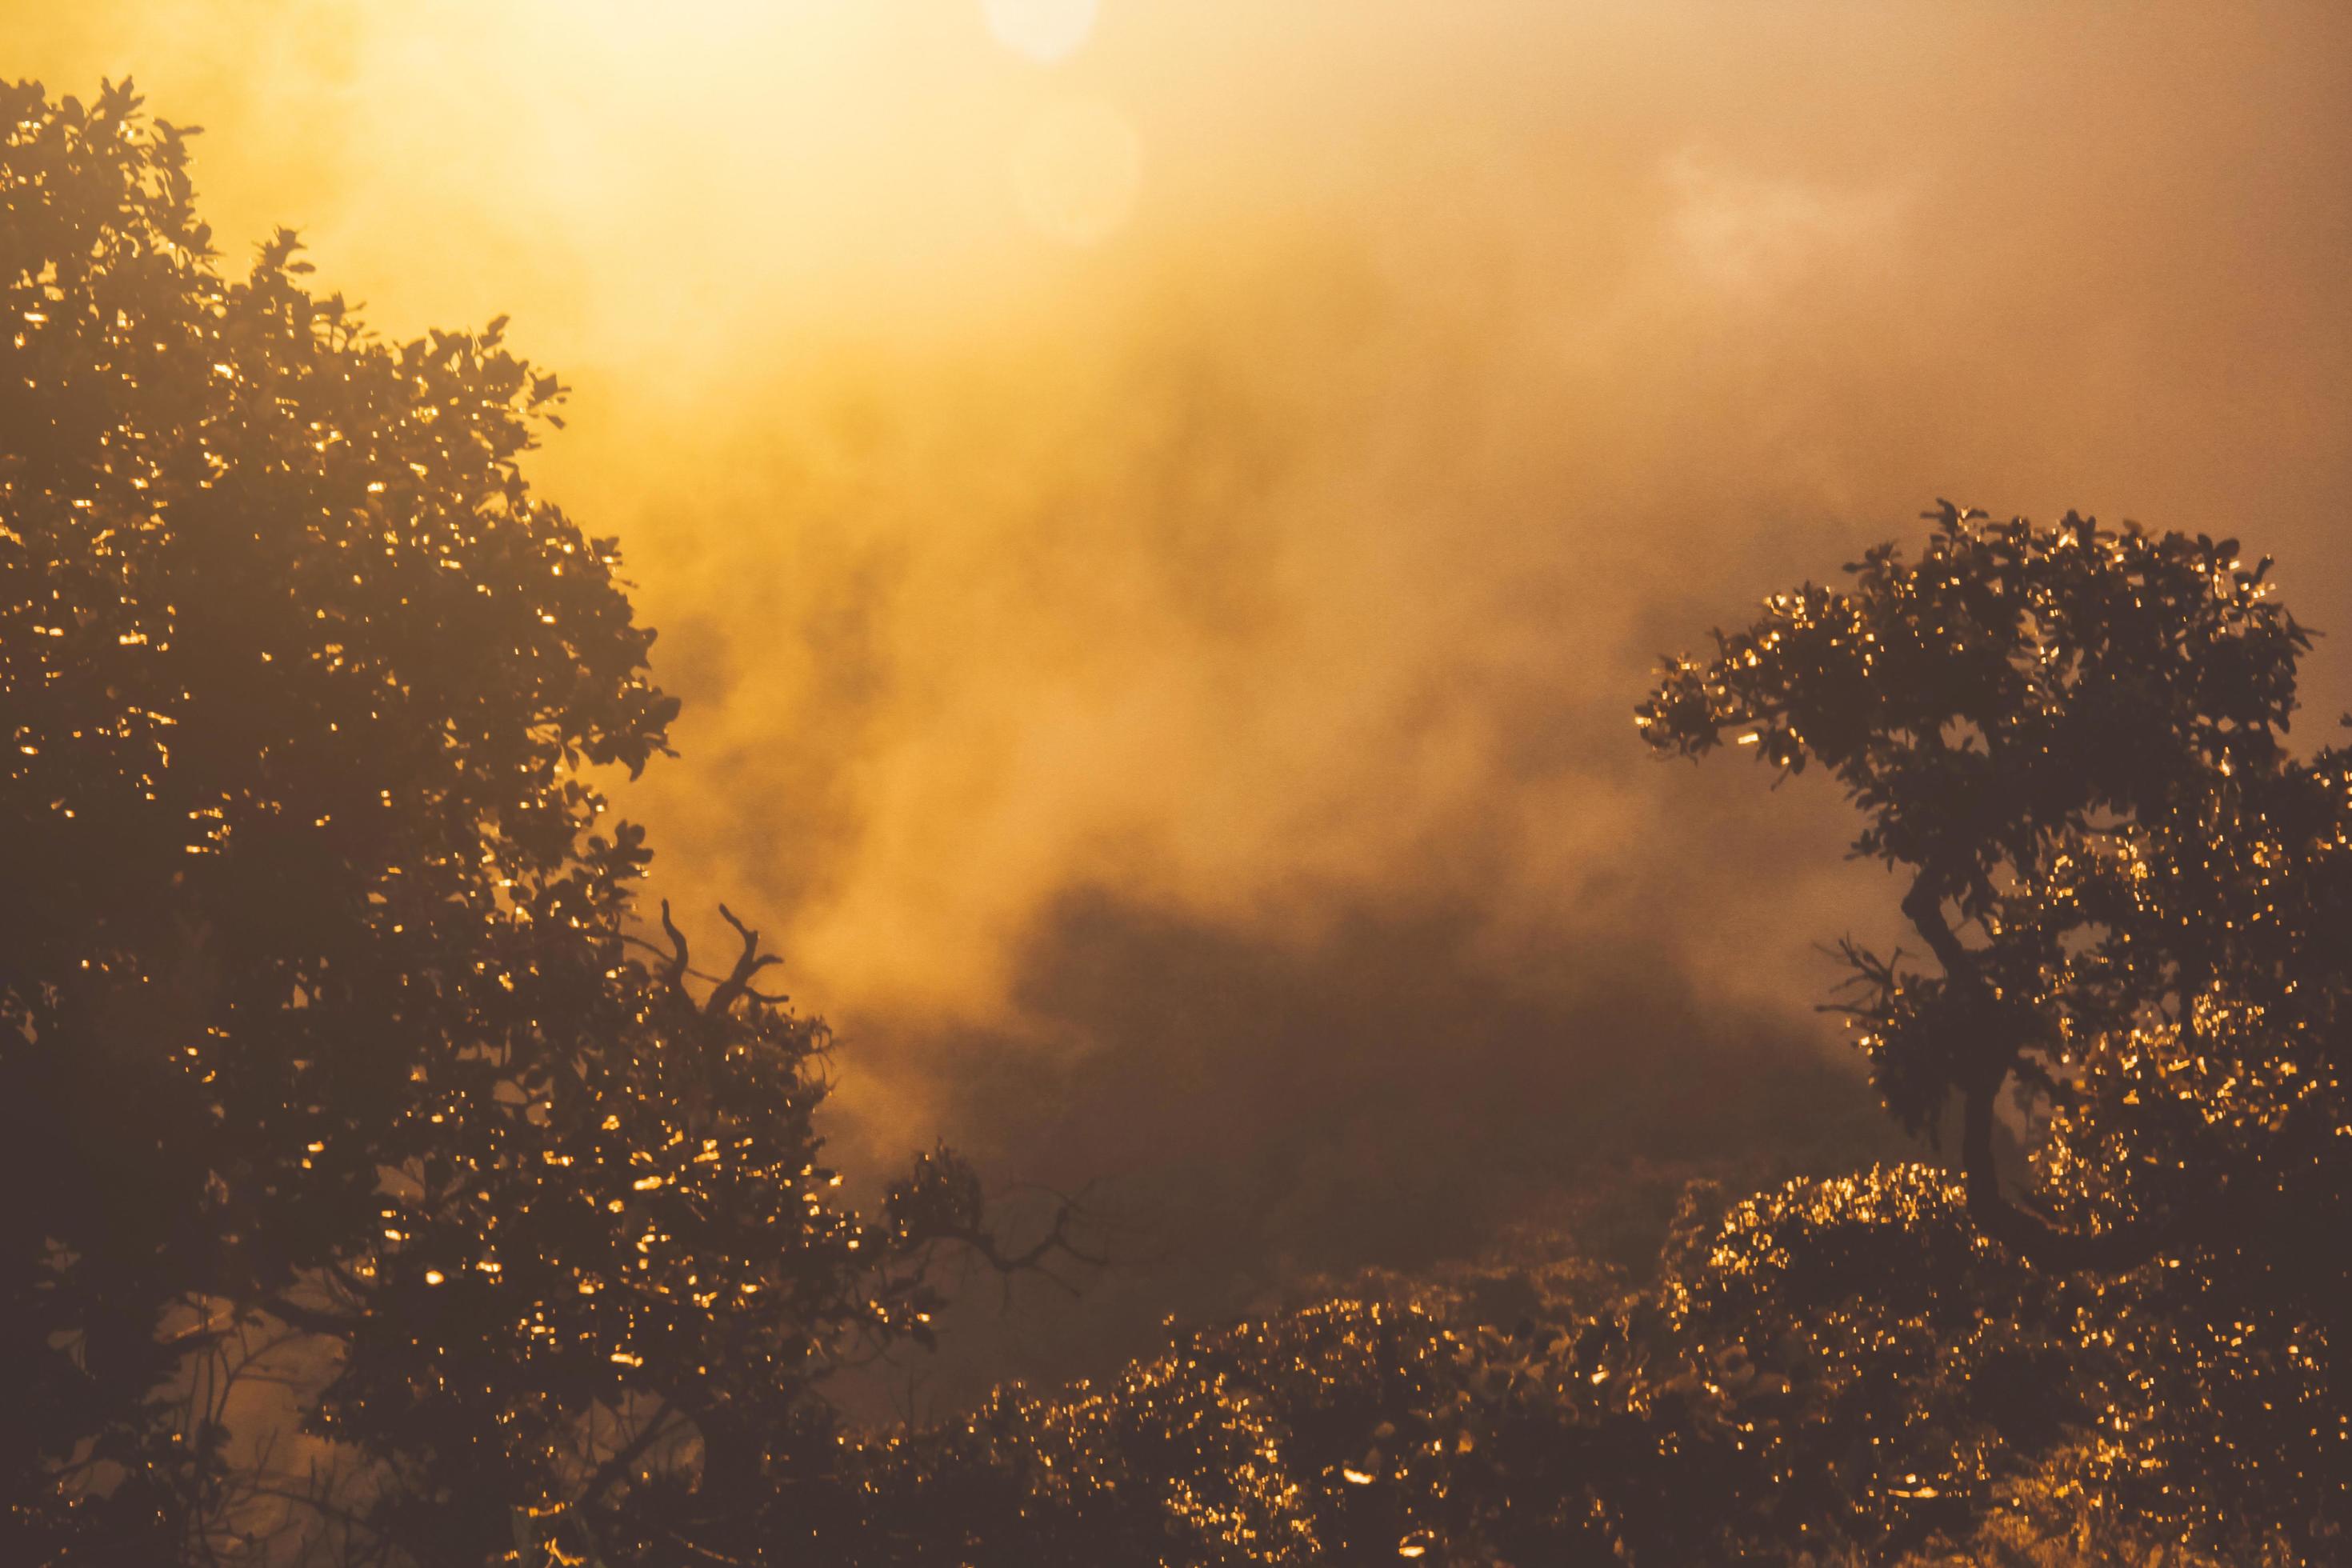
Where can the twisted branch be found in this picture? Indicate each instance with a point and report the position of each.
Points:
(2031, 1237)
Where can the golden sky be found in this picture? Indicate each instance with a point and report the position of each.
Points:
(1128, 484)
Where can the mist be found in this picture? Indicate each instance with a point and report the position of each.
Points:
(1158, 618)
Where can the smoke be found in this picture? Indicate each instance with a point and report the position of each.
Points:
(1165, 678)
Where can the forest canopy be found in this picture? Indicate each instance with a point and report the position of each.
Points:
(395, 1189)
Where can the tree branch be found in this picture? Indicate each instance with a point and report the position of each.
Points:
(748, 964)
(2022, 1231)
(2043, 1245)
(1032, 1259)
(678, 965)
(310, 1320)
(614, 1468)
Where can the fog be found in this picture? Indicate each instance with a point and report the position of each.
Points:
(1160, 516)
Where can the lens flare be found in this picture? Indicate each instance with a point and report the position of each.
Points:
(1045, 30)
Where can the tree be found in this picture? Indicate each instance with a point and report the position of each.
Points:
(330, 1046)
(2138, 902)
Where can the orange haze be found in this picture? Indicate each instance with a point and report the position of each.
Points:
(1159, 517)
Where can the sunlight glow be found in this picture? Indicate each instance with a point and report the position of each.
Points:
(1045, 30)
(1076, 172)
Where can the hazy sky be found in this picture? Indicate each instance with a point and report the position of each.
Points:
(1160, 513)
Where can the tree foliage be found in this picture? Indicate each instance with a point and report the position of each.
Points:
(2139, 904)
(2136, 899)
(330, 1053)
(1842, 1372)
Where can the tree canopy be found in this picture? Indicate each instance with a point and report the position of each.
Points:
(328, 1038)
(2138, 901)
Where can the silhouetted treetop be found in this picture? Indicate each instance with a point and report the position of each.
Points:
(2139, 906)
(1991, 702)
(324, 1014)
(2071, 739)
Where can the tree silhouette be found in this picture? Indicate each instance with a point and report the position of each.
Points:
(2139, 906)
(330, 1055)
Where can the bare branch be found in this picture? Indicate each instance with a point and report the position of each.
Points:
(1056, 1243)
(748, 963)
(656, 1427)
(679, 964)
(668, 958)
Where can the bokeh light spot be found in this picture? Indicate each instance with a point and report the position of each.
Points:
(1045, 30)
